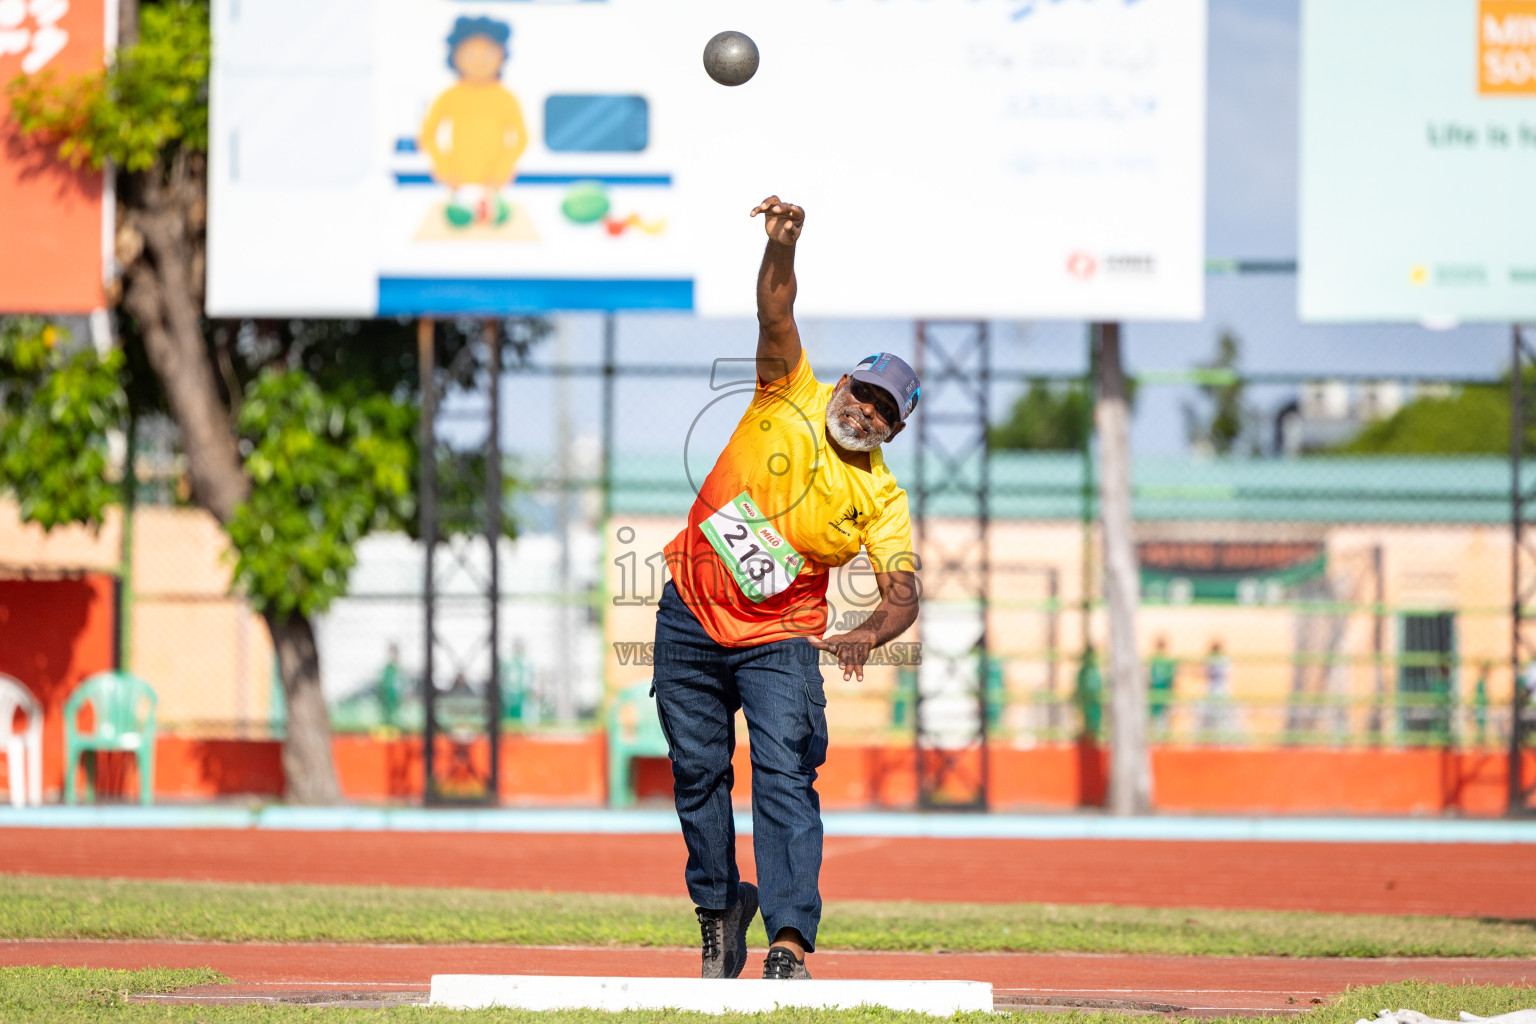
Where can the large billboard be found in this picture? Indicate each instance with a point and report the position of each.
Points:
(1418, 160)
(52, 234)
(956, 157)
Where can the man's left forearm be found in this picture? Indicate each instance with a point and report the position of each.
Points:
(894, 614)
(888, 621)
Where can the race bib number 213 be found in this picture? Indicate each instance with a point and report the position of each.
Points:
(759, 559)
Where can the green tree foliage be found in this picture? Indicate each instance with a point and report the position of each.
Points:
(151, 99)
(326, 410)
(1227, 417)
(57, 403)
(1050, 418)
(366, 362)
(325, 471)
(1469, 421)
(299, 436)
(1046, 418)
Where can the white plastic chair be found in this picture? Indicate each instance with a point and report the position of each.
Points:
(23, 750)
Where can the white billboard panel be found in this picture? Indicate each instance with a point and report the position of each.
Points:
(963, 158)
(1418, 160)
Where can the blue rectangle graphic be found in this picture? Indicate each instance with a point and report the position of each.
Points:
(444, 296)
(596, 124)
(659, 180)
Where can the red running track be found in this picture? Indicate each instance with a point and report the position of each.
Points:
(1197, 983)
(1425, 878)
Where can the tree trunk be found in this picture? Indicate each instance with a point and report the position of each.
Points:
(165, 296)
(162, 246)
(127, 23)
(1130, 769)
(309, 773)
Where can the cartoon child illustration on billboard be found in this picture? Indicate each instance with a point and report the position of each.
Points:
(474, 132)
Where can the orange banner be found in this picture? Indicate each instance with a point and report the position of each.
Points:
(1506, 39)
(51, 227)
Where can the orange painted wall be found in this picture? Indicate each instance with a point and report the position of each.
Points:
(53, 634)
(1325, 781)
(885, 777)
(1193, 780)
(571, 771)
(535, 770)
(50, 215)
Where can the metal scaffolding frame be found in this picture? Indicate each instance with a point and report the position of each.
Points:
(458, 719)
(951, 481)
(1522, 646)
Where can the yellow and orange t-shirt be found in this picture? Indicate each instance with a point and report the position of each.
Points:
(777, 483)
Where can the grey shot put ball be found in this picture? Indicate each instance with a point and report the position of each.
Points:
(730, 58)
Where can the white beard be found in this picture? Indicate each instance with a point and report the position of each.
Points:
(843, 433)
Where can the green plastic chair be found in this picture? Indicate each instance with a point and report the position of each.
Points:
(633, 731)
(124, 709)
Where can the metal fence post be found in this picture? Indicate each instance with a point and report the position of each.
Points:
(1522, 582)
(492, 339)
(427, 368)
(952, 761)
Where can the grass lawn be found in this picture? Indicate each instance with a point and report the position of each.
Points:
(71, 908)
(61, 995)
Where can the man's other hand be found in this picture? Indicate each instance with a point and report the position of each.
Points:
(782, 221)
(852, 649)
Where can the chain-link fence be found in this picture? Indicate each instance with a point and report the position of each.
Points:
(205, 651)
(1295, 591)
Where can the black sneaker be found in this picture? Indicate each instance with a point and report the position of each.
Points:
(780, 964)
(725, 934)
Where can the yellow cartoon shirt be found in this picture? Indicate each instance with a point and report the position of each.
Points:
(486, 134)
(778, 511)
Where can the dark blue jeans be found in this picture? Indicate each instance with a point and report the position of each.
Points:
(699, 687)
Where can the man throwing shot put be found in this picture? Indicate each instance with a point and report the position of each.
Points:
(799, 489)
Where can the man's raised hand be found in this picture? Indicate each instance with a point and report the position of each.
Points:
(782, 221)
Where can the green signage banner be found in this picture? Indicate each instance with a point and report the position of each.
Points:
(1221, 572)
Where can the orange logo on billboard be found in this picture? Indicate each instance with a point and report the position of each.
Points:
(1506, 47)
(1081, 265)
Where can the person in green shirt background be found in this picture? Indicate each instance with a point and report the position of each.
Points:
(391, 687)
(1088, 695)
(1160, 673)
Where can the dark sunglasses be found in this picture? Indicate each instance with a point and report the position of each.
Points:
(865, 394)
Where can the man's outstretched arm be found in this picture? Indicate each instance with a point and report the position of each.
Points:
(892, 617)
(778, 339)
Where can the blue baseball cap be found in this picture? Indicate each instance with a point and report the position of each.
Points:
(892, 374)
